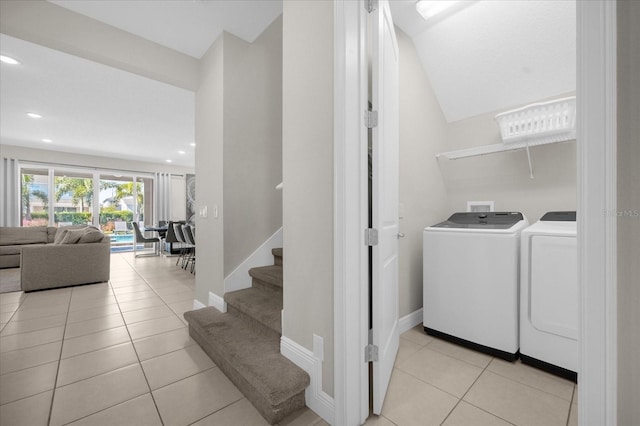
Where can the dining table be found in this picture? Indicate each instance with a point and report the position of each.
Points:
(161, 230)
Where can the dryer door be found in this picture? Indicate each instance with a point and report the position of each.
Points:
(554, 285)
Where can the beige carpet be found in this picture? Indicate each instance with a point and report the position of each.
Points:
(9, 280)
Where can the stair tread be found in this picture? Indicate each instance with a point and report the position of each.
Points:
(264, 307)
(277, 251)
(255, 356)
(271, 274)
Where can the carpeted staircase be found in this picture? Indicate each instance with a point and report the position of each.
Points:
(245, 343)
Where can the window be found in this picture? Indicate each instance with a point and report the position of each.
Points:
(60, 196)
(34, 195)
(73, 198)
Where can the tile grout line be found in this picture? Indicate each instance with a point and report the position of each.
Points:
(67, 315)
(55, 381)
(221, 408)
(32, 366)
(14, 312)
(573, 395)
(134, 346)
(137, 357)
(466, 392)
(130, 341)
(497, 373)
(532, 387)
(485, 369)
(489, 412)
(144, 374)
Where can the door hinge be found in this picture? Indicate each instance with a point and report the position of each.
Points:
(371, 5)
(370, 353)
(371, 237)
(370, 119)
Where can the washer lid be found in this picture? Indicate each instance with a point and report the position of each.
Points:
(559, 217)
(482, 220)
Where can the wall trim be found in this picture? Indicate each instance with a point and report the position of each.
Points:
(198, 304)
(597, 211)
(239, 278)
(315, 398)
(409, 321)
(217, 302)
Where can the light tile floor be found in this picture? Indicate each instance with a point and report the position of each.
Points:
(438, 383)
(119, 353)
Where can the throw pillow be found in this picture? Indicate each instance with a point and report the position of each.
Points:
(72, 236)
(60, 236)
(91, 235)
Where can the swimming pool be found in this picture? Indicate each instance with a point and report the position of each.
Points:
(122, 238)
(121, 242)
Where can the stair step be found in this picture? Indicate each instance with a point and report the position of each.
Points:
(262, 308)
(267, 276)
(277, 256)
(251, 360)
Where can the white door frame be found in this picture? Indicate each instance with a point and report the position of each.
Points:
(597, 186)
(351, 373)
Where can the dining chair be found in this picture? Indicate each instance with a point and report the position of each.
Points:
(171, 238)
(177, 229)
(189, 237)
(140, 238)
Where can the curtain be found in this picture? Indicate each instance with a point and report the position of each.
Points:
(162, 197)
(9, 192)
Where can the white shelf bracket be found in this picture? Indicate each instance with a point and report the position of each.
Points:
(529, 160)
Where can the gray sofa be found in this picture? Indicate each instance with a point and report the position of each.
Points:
(51, 257)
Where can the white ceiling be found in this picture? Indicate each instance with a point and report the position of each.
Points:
(188, 26)
(92, 109)
(480, 56)
(483, 56)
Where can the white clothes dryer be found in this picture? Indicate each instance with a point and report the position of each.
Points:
(549, 295)
(471, 278)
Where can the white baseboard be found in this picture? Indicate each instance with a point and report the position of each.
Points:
(239, 279)
(217, 302)
(315, 398)
(407, 322)
(198, 304)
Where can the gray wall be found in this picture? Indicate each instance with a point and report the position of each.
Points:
(430, 189)
(209, 155)
(307, 148)
(504, 177)
(628, 201)
(252, 142)
(422, 190)
(238, 153)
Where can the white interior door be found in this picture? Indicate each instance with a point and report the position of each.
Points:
(385, 194)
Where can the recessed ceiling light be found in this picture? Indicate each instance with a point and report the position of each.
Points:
(192, 144)
(181, 152)
(9, 60)
(430, 8)
(46, 140)
(34, 115)
(168, 161)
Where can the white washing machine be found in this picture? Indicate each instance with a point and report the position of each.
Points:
(549, 295)
(471, 278)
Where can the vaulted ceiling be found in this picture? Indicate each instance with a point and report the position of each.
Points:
(483, 56)
(479, 56)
